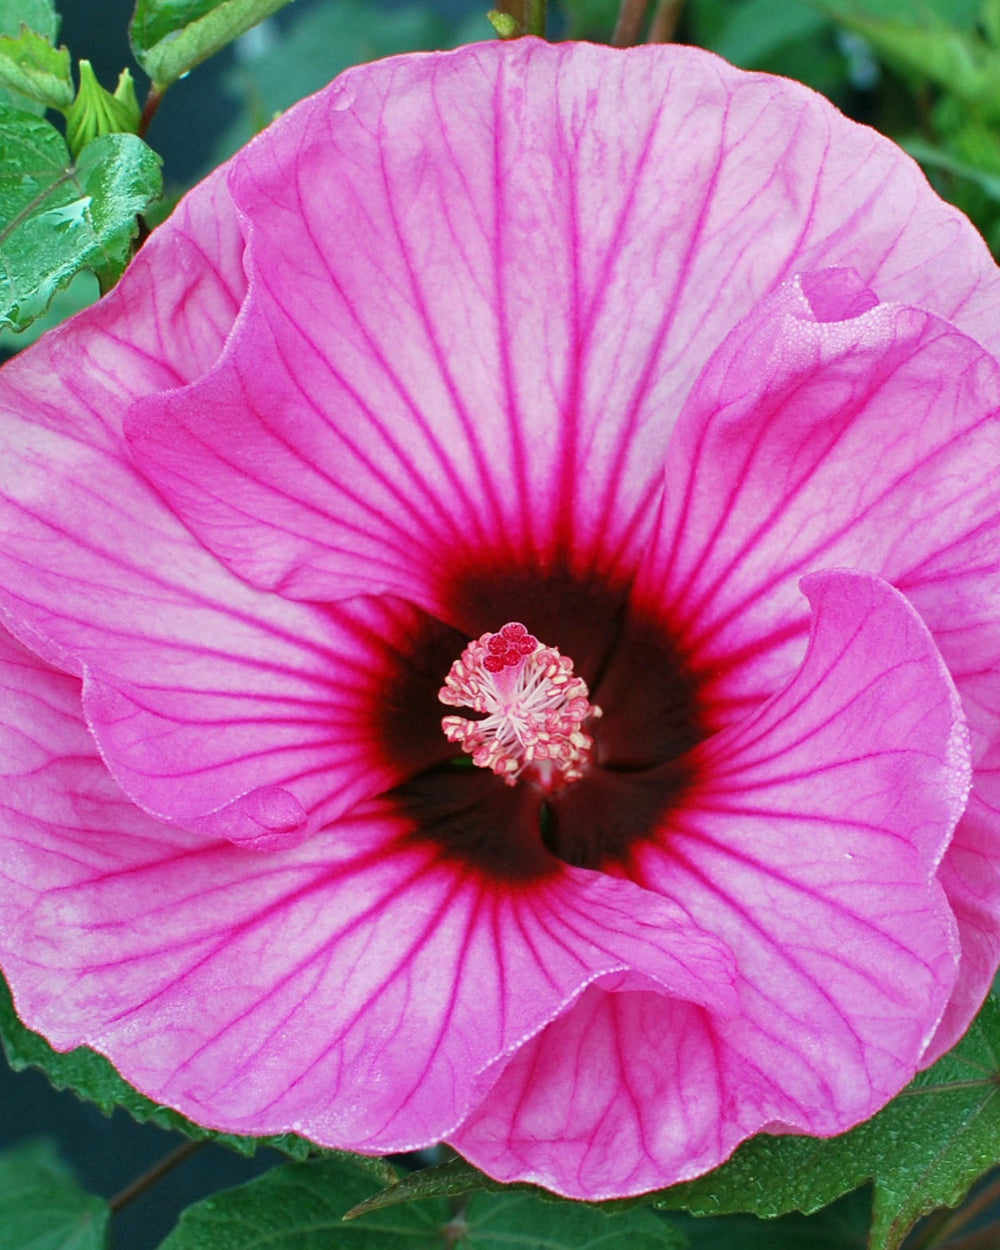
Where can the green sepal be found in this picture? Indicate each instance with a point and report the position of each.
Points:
(31, 66)
(97, 112)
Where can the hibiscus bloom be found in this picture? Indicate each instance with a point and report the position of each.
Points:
(503, 625)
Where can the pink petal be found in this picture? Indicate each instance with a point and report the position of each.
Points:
(214, 705)
(368, 984)
(870, 442)
(952, 592)
(461, 265)
(970, 877)
(810, 844)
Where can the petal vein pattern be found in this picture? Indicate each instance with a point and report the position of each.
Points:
(810, 845)
(383, 972)
(103, 580)
(611, 346)
(307, 479)
(869, 442)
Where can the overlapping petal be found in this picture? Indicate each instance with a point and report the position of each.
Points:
(811, 845)
(255, 502)
(354, 988)
(830, 429)
(553, 269)
(214, 705)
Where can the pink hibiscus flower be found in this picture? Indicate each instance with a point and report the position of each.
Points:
(415, 721)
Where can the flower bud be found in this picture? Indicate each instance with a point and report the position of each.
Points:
(96, 111)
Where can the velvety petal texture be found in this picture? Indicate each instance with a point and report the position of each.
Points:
(681, 372)
(365, 985)
(213, 705)
(869, 437)
(569, 240)
(811, 842)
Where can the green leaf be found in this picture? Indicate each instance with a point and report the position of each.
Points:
(57, 217)
(445, 1180)
(923, 1151)
(841, 1226)
(39, 16)
(590, 19)
(170, 37)
(30, 65)
(301, 1207)
(43, 1208)
(499, 1221)
(959, 14)
(934, 157)
(989, 16)
(758, 29)
(82, 291)
(90, 1076)
(785, 37)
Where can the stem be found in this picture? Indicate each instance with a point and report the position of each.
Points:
(628, 27)
(149, 108)
(666, 15)
(161, 1168)
(534, 18)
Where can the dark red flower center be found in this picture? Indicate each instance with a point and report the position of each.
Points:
(622, 719)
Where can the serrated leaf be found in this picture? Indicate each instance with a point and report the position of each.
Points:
(171, 37)
(43, 1208)
(29, 64)
(57, 217)
(923, 1151)
(444, 1180)
(301, 1207)
(91, 1077)
(39, 16)
(841, 1226)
